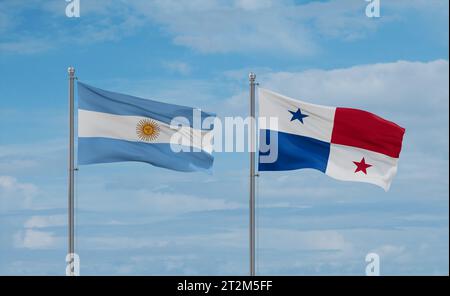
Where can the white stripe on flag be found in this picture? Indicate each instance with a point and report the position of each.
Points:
(123, 127)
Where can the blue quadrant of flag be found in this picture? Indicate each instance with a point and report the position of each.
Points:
(296, 152)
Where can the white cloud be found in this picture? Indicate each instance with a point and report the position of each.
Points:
(283, 239)
(31, 237)
(219, 27)
(34, 239)
(179, 203)
(386, 251)
(178, 67)
(267, 26)
(431, 6)
(15, 195)
(234, 238)
(45, 221)
(121, 242)
(18, 157)
(28, 45)
(107, 21)
(236, 105)
(398, 84)
(210, 26)
(253, 4)
(5, 21)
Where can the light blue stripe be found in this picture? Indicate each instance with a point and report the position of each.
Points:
(99, 100)
(105, 150)
(297, 152)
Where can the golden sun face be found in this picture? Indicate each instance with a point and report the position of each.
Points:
(147, 130)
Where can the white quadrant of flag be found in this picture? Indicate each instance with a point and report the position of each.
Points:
(319, 118)
(355, 164)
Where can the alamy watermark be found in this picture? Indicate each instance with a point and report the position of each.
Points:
(373, 8)
(73, 8)
(214, 134)
(373, 266)
(73, 264)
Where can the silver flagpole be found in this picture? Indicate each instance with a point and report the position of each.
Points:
(252, 78)
(71, 212)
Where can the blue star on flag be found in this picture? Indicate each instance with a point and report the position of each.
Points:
(298, 115)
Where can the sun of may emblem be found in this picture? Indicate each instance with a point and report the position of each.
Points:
(147, 130)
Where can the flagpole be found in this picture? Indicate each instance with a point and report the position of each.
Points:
(252, 78)
(71, 212)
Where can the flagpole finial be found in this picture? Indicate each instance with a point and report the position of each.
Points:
(71, 70)
(251, 76)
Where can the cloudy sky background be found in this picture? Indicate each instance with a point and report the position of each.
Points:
(136, 219)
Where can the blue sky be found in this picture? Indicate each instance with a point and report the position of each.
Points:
(133, 218)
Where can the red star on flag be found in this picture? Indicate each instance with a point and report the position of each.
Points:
(362, 166)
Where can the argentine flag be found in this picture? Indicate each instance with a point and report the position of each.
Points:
(114, 127)
(346, 144)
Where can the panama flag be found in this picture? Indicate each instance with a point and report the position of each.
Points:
(114, 127)
(346, 144)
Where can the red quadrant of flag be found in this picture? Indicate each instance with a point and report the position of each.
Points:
(362, 129)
